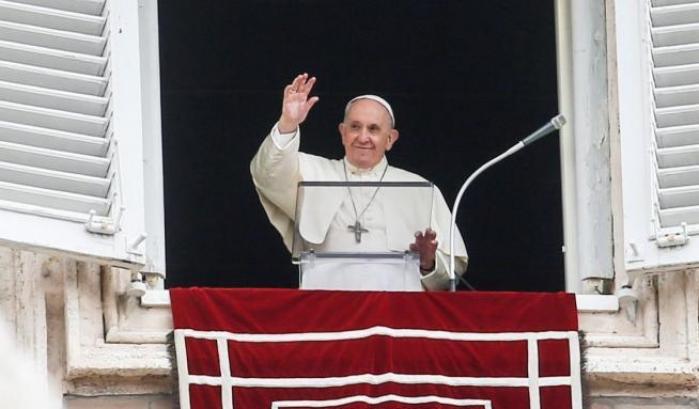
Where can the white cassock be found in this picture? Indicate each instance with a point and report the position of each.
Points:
(278, 167)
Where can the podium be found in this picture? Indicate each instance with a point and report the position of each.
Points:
(344, 252)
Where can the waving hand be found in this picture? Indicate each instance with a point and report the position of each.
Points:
(296, 103)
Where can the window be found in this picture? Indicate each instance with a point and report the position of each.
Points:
(462, 94)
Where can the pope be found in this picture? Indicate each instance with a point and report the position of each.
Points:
(367, 132)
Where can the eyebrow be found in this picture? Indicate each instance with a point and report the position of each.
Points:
(354, 122)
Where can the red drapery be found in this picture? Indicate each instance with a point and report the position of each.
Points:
(263, 348)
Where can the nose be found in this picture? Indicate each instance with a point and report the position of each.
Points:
(364, 135)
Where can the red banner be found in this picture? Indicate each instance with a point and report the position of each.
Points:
(261, 348)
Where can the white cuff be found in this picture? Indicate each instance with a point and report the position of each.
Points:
(431, 273)
(441, 266)
(282, 140)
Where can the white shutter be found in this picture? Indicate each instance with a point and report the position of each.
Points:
(675, 39)
(71, 128)
(658, 73)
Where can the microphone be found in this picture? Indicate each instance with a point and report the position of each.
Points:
(554, 124)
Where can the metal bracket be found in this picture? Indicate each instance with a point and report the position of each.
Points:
(142, 282)
(104, 225)
(633, 253)
(136, 287)
(133, 247)
(628, 301)
(680, 238)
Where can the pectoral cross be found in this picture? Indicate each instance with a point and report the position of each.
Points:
(357, 229)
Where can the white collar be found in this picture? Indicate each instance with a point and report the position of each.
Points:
(375, 171)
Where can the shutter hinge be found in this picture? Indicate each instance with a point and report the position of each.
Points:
(673, 239)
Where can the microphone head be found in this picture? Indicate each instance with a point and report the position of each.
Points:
(558, 121)
(551, 126)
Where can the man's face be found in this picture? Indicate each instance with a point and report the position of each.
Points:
(367, 133)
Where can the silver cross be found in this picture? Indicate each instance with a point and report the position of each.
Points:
(358, 230)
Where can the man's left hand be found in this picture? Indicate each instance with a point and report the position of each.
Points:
(426, 245)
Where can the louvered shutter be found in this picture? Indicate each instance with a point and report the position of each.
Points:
(660, 156)
(71, 128)
(675, 39)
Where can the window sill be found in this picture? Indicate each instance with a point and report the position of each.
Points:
(586, 303)
(595, 303)
(156, 299)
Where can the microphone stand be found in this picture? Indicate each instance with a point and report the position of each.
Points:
(554, 124)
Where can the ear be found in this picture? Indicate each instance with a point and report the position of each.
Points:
(392, 138)
(341, 128)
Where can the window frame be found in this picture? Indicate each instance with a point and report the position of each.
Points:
(585, 145)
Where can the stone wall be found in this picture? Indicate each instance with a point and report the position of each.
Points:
(643, 403)
(71, 326)
(119, 402)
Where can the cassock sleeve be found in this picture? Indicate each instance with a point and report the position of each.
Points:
(275, 173)
(439, 278)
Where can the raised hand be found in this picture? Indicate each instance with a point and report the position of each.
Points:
(426, 245)
(296, 103)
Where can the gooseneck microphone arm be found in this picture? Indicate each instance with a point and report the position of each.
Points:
(554, 124)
